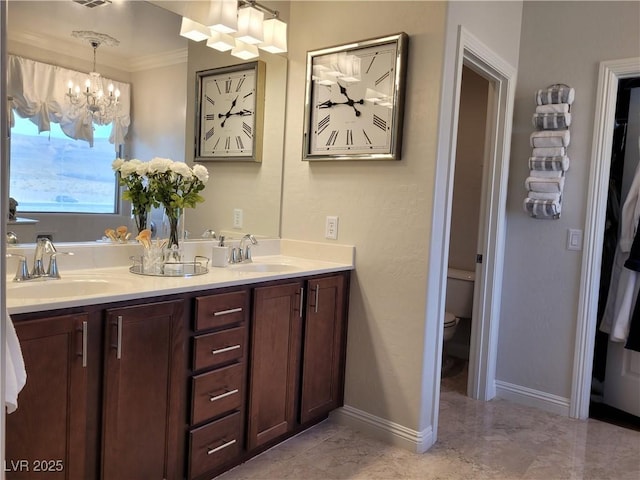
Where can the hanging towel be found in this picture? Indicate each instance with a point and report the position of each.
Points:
(550, 138)
(542, 208)
(559, 162)
(548, 152)
(555, 94)
(15, 373)
(549, 185)
(553, 108)
(548, 121)
(546, 173)
(556, 197)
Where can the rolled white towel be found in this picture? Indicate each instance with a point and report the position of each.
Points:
(15, 373)
(555, 94)
(546, 173)
(548, 152)
(549, 163)
(553, 108)
(549, 209)
(550, 185)
(556, 197)
(550, 121)
(550, 138)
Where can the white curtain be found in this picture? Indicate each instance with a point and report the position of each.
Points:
(39, 94)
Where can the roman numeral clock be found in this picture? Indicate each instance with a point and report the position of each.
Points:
(354, 100)
(230, 113)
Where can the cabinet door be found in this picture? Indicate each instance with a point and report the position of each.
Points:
(144, 392)
(323, 347)
(46, 435)
(275, 346)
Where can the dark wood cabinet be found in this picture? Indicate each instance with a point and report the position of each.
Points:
(46, 435)
(275, 353)
(323, 347)
(143, 385)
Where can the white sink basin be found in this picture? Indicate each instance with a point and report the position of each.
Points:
(263, 267)
(64, 287)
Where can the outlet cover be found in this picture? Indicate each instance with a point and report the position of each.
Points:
(237, 218)
(331, 228)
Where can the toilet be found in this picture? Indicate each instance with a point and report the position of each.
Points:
(459, 300)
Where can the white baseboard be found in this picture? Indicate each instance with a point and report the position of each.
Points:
(533, 398)
(384, 430)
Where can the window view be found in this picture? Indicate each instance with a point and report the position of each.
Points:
(51, 172)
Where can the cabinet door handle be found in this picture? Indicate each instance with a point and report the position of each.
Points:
(84, 343)
(222, 395)
(301, 300)
(315, 308)
(119, 346)
(217, 449)
(225, 349)
(227, 312)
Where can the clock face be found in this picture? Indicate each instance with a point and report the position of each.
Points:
(352, 100)
(227, 114)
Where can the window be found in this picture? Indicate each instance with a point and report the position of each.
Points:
(51, 172)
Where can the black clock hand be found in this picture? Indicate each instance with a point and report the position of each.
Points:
(352, 103)
(228, 114)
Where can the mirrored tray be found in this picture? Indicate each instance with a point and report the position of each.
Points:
(172, 269)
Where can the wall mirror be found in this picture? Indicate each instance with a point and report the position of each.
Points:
(161, 67)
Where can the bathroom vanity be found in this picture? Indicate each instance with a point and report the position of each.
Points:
(173, 378)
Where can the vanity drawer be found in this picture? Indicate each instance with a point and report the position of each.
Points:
(217, 348)
(216, 392)
(221, 310)
(215, 444)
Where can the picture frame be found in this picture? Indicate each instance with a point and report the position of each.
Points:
(354, 100)
(230, 113)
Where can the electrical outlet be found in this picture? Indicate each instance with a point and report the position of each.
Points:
(237, 218)
(331, 228)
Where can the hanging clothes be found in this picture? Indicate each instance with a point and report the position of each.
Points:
(624, 286)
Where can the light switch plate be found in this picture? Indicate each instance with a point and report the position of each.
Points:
(574, 239)
(237, 218)
(331, 228)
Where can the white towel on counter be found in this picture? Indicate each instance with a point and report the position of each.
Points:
(548, 152)
(556, 197)
(553, 108)
(542, 208)
(549, 185)
(550, 138)
(559, 162)
(546, 173)
(550, 121)
(555, 94)
(15, 373)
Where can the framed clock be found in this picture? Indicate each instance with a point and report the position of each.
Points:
(230, 113)
(354, 100)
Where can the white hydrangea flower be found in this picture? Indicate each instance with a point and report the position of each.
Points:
(183, 169)
(127, 168)
(159, 165)
(201, 173)
(117, 163)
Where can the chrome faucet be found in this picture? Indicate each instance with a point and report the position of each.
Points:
(242, 254)
(44, 246)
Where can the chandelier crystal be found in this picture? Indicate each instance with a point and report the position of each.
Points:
(101, 105)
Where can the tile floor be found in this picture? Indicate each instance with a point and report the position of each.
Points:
(477, 440)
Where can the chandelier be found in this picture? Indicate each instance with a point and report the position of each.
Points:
(102, 107)
(238, 26)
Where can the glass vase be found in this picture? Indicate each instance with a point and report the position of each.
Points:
(173, 231)
(141, 219)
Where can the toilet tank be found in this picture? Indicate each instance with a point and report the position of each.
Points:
(459, 300)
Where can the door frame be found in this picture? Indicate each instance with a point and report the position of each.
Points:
(610, 72)
(471, 52)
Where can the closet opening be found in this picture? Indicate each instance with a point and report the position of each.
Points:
(614, 394)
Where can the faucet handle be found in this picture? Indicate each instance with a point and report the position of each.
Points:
(23, 272)
(53, 271)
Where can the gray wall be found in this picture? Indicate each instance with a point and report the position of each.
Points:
(561, 42)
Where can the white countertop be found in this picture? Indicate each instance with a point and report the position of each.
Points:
(116, 283)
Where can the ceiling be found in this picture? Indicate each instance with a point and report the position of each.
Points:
(144, 30)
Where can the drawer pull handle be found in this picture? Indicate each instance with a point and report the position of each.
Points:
(217, 449)
(224, 350)
(227, 312)
(222, 395)
(84, 343)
